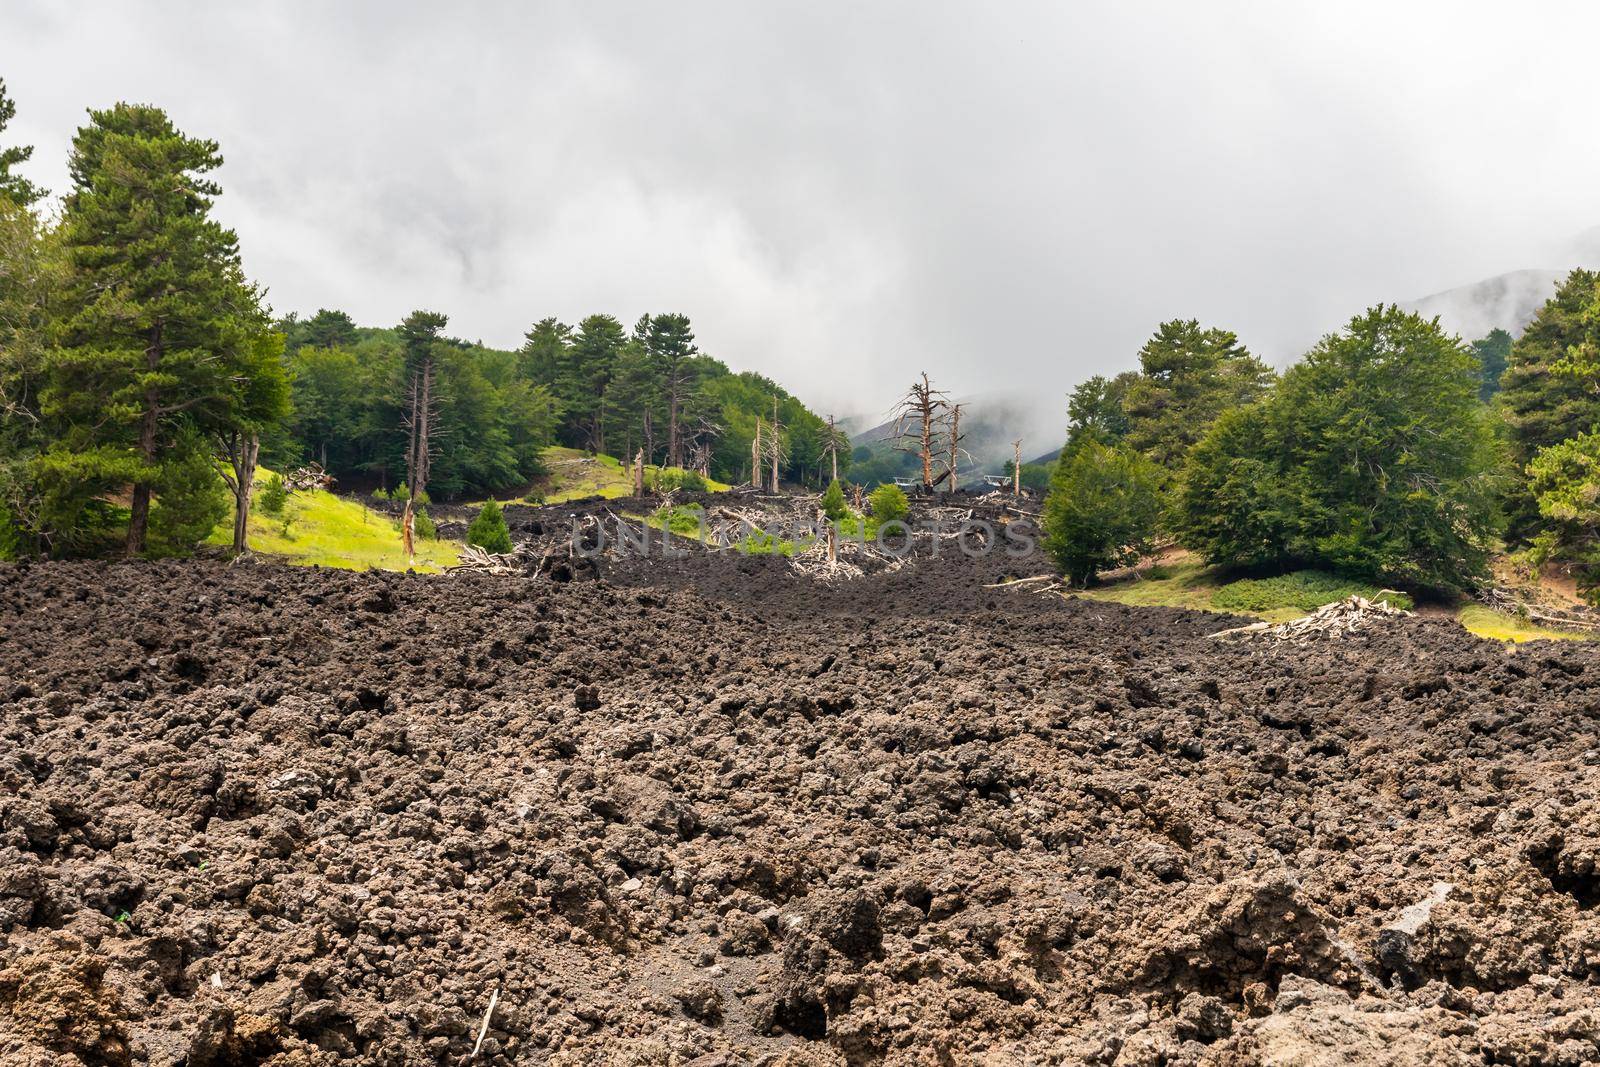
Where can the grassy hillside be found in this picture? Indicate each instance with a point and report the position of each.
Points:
(575, 473)
(320, 528)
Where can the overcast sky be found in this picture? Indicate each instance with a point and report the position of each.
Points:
(842, 195)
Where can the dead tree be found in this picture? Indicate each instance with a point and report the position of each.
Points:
(775, 443)
(755, 456)
(638, 473)
(917, 419)
(1016, 468)
(241, 448)
(831, 441)
(954, 450)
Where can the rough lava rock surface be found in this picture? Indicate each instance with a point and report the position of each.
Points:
(711, 814)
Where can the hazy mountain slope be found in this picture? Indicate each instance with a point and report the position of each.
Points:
(1506, 302)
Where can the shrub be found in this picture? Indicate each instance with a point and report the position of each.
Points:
(888, 503)
(686, 519)
(667, 479)
(401, 493)
(534, 497)
(1102, 509)
(1301, 590)
(423, 498)
(833, 502)
(274, 496)
(422, 525)
(488, 530)
(380, 493)
(190, 500)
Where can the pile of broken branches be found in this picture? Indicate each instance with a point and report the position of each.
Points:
(1507, 602)
(1338, 619)
(309, 477)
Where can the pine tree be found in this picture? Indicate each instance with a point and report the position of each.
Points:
(1188, 377)
(489, 530)
(14, 187)
(160, 325)
(1541, 406)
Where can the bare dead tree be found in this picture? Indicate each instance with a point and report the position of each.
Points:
(422, 410)
(1016, 468)
(241, 449)
(917, 418)
(832, 439)
(954, 451)
(755, 456)
(638, 473)
(775, 450)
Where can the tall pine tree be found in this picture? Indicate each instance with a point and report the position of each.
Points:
(160, 324)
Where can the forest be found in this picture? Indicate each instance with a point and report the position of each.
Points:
(144, 379)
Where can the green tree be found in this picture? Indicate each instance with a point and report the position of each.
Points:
(1188, 376)
(1493, 352)
(274, 495)
(1374, 457)
(888, 503)
(489, 530)
(159, 321)
(14, 187)
(833, 502)
(1102, 509)
(1540, 405)
(1097, 406)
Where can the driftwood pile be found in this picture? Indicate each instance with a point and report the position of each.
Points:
(1506, 602)
(304, 479)
(1338, 619)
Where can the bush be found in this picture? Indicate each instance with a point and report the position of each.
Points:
(1301, 590)
(190, 500)
(685, 519)
(888, 503)
(833, 502)
(667, 479)
(1373, 458)
(401, 493)
(1102, 509)
(422, 525)
(488, 530)
(380, 493)
(274, 496)
(423, 498)
(533, 497)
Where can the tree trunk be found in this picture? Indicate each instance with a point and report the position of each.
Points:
(1016, 468)
(139, 515)
(421, 485)
(243, 453)
(777, 443)
(674, 446)
(408, 533)
(755, 456)
(833, 447)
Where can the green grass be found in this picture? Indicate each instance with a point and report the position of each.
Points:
(1189, 584)
(1486, 623)
(575, 474)
(320, 528)
(1302, 590)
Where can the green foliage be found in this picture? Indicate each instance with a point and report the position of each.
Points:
(1097, 407)
(1541, 406)
(1188, 376)
(888, 503)
(161, 339)
(14, 187)
(1373, 458)
(685, 519)
(190, 499)
(1493, 352)
(423, 526)
(1102, 508)
(1565, 482)
(667, 479)
(833, 502)
(380, 494)
(488, 530)
(422, 498)
(401, 493)
(1304, 590)
(13, 542)
(274, 496)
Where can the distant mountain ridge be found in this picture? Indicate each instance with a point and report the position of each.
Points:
(1505, 302)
